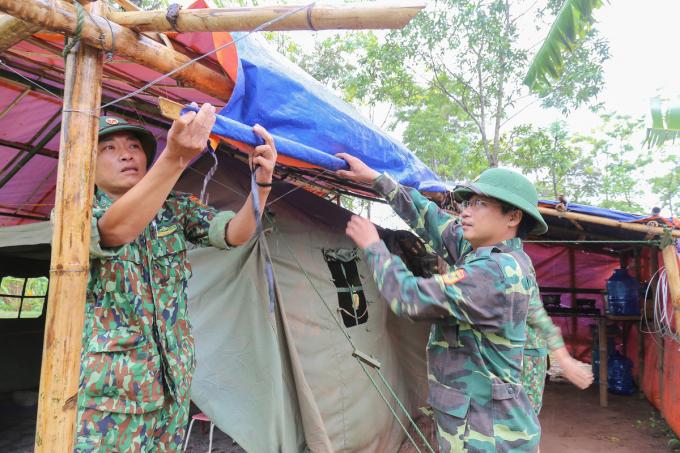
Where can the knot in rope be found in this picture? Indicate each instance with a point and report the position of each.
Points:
(71, 41)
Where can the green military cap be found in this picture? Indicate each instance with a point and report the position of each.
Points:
(110, 124)
(509, 187)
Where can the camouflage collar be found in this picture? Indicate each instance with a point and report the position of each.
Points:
(101, 200)
(509, 245)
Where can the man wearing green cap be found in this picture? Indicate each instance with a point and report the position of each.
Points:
(478, 309)
(138, 353)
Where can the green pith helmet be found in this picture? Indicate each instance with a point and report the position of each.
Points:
(509, 187)
(110, 124)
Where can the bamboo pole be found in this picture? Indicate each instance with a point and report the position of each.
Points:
(654, 267)
(13, 31)
(316, 17)
(602, 347)
(59, 376)
(572, 283)
(129, 6)
(607, 222)
(60, 16)
(670, 261)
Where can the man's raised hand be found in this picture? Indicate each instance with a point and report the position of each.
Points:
(358, 171)
(188, 136)
(263, 158)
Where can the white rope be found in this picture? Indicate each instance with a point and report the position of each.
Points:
(662, 309)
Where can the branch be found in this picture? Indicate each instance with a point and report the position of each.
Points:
(455, 99)
(522, 14)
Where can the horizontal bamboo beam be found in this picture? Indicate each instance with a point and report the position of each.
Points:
(60, 16)
(13, 31)
(316, 17)
(638, 227)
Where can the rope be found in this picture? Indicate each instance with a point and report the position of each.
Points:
(71, 41)
(662, 316)
(32, 82)
(363, 367)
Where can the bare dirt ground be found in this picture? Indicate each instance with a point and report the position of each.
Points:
(573, 422)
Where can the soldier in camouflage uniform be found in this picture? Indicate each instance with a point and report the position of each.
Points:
(138, 352)
(478, 310)
(544, 336)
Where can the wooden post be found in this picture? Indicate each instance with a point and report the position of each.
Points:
(654, 266)
(59, 376)
(602, 339)
(670, 262)
(640, 336)
(572, 283)
(61, 16)
(356, 16)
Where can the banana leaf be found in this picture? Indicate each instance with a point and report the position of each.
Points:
(665, 126)
(572, 23)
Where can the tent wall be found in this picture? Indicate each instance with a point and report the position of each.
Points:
(334, 396)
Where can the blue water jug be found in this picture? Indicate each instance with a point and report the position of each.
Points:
(622, 294)
(620, 375)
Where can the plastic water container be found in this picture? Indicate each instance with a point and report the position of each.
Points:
(620, 376)
(622, 294)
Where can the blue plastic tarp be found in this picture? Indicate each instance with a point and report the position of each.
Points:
(600, 212)
(307, 121)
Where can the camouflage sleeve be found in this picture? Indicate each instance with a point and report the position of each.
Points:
(539, 320)
(96, 249)
(425, 217)
(203, 224)
(473, 293)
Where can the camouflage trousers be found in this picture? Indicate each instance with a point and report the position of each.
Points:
(161, 430)
(534, 369)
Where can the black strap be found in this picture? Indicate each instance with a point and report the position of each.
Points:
(268, 267)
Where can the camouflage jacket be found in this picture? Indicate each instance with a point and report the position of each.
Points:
(478, 313)
(137, 345)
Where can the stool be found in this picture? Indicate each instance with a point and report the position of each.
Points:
(201, 417)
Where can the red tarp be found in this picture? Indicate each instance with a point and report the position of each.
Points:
(661, 384)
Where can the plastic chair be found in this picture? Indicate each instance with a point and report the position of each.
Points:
(201, 417)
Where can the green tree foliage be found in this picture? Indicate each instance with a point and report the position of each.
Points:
(615, 151)
(667, 185)
(452, 77)
(553, 161)
(33, 290)
(559, 69)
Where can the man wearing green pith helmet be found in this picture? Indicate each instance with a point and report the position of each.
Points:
(137, 357)
(478, 309)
